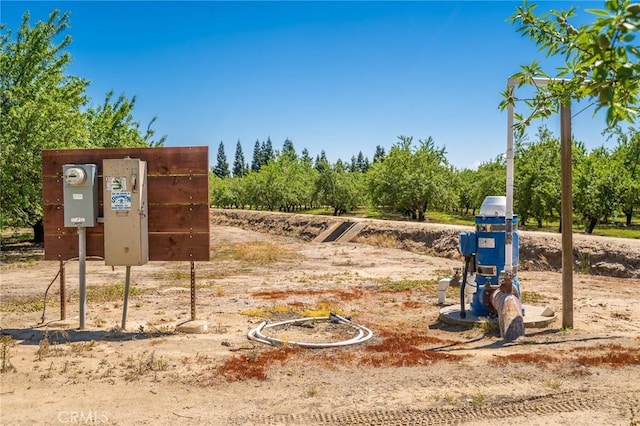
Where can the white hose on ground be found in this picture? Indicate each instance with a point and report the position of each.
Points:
(363, 334)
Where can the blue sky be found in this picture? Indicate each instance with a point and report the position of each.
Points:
(342, 77)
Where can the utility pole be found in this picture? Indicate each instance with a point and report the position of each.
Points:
(567, 214)
(567, 196)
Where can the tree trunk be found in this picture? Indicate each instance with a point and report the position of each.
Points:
(539, 223)
(38, 232)
(629, 214)
(591, 225)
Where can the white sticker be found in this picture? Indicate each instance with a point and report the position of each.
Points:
(121, 201)
(78, 220)
(116, 183)
(78, 196)
(486, 243)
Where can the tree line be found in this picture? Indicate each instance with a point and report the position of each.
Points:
(415, 177)
(42, 106)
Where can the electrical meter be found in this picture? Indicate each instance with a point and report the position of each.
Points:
(80, 192)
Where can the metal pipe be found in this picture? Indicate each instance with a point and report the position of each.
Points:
(63, 292)
(82, 260)
(193, 290)
(508, 248)
(125, 305)
(463, 285)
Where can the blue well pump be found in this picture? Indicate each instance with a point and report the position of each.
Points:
(484, 254)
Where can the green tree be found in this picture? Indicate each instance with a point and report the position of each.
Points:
(467, 180)
(490, 180)
(289, 150)
(601, 60)
(284, 183)
(256, 161)
(379, 154)
(597, 188)
(239, 166)
(220, 194)
(412, 180)
(627, 156)
(306, 157)
(537, 179)
(321, 160)
(340, 189)
(112, 125)
(359, 163)
(266, 151)
(221, 168)
(41, 109)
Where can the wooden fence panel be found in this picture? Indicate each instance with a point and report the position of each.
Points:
(177, 198)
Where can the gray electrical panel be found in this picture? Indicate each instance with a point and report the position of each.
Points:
(80, 192)
(125, 212)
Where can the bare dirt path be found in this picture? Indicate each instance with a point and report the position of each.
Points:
(414, 370)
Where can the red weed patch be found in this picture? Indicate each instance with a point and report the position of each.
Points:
(528, 358)
(247, 367)
(614, 356)
(403, 349)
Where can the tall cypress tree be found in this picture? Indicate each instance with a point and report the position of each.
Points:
(288, 149)
(321, 161)
(267, 151)
(379, 155)
(306, 157)
(222, 166)
(256, 162)
(239, 167)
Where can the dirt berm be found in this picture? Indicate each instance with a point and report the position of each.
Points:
(539, 251)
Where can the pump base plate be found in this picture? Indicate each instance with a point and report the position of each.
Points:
(533, 317)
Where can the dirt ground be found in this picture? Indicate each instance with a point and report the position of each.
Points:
(414, 370)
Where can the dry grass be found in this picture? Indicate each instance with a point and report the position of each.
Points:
(294, 309)
(532, 297)
(22, 304)
(6, 345)
(144, 363)
(256, 252)
(340, 294)
(381, 240)
(407, 285)
(109, 293)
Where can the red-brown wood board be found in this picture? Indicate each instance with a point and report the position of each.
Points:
(177, 196)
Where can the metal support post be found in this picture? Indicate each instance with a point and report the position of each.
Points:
(82, 260)
(193, 290)
(125, 305)
(63, 292)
